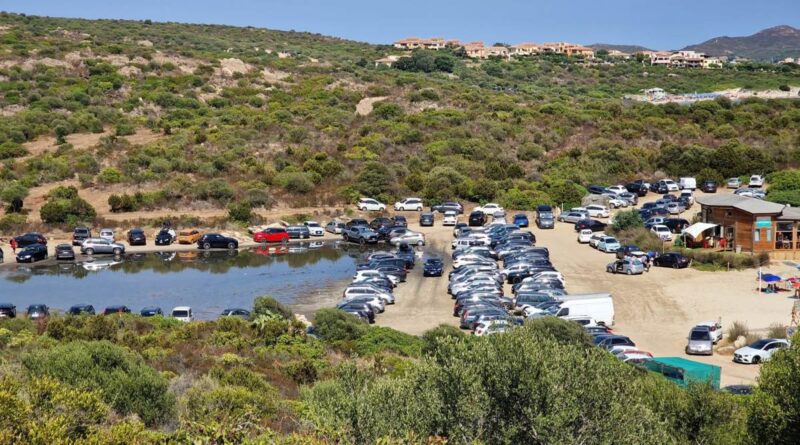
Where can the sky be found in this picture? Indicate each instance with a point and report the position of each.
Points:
(657, 24)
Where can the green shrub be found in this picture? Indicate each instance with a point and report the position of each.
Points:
(121, 376)
(271, 307)
(431, 338)
(65, 206)
(627, 219)
(11, 150)
(13, 222)
(109, 175)
(335, 325)
(240, 211)
(379, 339)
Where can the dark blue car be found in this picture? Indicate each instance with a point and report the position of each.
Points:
(434, 267)
(521, 220)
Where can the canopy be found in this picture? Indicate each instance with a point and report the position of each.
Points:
(697, 229)
(770, 278)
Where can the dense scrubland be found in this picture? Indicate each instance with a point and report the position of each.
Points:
(251, 117)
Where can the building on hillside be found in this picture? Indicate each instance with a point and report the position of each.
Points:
(433, 43)
(497, 51)
(619, 54)
(747, 224)
(579, 51)
(659, 57)
(568, 49)
(525, 49)
(475, 50)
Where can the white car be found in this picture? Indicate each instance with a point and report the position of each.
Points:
(107, 234)
(336, 227)
(597, 211)
(450, 218)
(366, 290)
(662, 232)
(617, 189)
(410, 238)
(671, 185)
(759, 351)
(585, 236)
(314, 229)
(615, 202)
(688, 195)
(182, 313)
(414, 204)
(490, 327)
(715, 328)
(756, 181)
(734, 183)
(491, 209)
(370, 205)
(594, 240)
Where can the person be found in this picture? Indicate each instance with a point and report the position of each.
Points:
(13, 243)
(646, 261)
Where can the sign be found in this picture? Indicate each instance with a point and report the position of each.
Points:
(763, 224)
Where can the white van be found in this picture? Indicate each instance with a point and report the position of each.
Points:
(599, 307)
(182, 313)
(687, 183)
(756, 181)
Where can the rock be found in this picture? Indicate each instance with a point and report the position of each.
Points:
(740, 342)
(145, 43)
(726, 350)
(233, 66)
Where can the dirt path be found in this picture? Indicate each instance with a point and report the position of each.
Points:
(364, 106)
(82, 141)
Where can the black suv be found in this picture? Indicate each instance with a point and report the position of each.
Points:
(637, 187)
(355, 222)
(30, 239)
(79, 235)
(79, 309)
(596, 189)
(8, 310)
(164, 238)
(426, 219)
(217, 241)
(676, 225)
(709, 186)
(136, 237)
(477, 218)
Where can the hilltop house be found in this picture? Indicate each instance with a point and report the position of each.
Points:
(682, 59)
(433, 43)
(525, 49)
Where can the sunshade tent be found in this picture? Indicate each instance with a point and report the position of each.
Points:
(697, 229)
(770, 278)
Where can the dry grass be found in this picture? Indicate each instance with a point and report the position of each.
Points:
(738, 329)
(776, 330)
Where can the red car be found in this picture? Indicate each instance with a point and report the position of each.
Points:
(271, 235)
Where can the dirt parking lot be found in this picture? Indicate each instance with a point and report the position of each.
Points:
(656, 309)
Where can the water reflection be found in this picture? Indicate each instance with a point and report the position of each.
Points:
(302, 274)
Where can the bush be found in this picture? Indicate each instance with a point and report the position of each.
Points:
(380, 339)
(724, 260)
(776, 330)
(271, 307)
(627, 219)
(12, 222)
(240, 211)
(12, 150)
(109, 175)
(738, 329)
(64, 205)
(124, 381)
(431, 338)
(335, 325)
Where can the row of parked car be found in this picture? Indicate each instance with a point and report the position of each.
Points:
(181, 313)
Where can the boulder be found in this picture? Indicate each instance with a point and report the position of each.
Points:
(740, 342)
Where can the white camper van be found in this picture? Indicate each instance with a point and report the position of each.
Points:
(687, 183)
(600, 307)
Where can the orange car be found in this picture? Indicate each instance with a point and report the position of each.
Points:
(189, 236)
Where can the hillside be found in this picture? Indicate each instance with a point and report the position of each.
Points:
(774, 43)
(149, 119)
(630, 49)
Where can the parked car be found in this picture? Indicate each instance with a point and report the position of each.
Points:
(477, 218)
(314, 228)
(79, 235)
(662, 232)
(734, 183)
(217, 241)
(410, 238)
(544, 217)
(596, 189)
(433, 267)
(595, 238)
(671, 259)
(65, 252)
(584, 236)
(236, 312)
(335, 227)
(573, 216)
(30, 239)
(271, 235)
(426, 219)
(298, 232)
(627, 266)
(591, 224)
(715, 327)
(370, 205)
(597, 211)
(491, 208)
(448, 205)
(116, 309)
(414, 204)
(136, 237)
(450, 218)
(8, 310)
(521, 220)
(355, 222)
(676, 225)
(98, 245)
(699, 341)
(107, 234)
(759, 351)
(399, 221)
(709, 186)
(189, 236)
(639, 187)
(687, 183)
(616, 189)
(81, 309)
(608, 244)
(182, 313)
(38, 311)
(165, 237)
(151, 311)
(32, 253)
(361, 235)
(756, 181)
(675, 208)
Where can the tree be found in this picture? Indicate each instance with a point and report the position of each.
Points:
(775, 407)
(374, 180)
(13, 194)
(627, 219)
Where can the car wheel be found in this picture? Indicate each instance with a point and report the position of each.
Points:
(117, 251)
(231, 246)
(420, 243)
(630, 272)
(89, 251)
(362, 241)
(756, 360)
(206, 246)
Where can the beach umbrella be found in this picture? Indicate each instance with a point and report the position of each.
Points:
(770, 278)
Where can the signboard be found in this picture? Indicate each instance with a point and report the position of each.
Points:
(763, 222)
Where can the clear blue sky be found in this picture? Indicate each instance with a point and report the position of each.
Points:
(662, 24)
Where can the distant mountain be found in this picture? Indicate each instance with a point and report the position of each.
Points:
(630, 49)
(770, 44)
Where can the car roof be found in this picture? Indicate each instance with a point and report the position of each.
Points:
(181, 308)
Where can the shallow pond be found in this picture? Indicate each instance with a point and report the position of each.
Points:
(306, 276)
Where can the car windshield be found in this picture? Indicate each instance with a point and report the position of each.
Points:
(700, 335)
(759, 344)
(180, 313)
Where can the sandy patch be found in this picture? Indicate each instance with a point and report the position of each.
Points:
(231, 66)
(364, 106)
